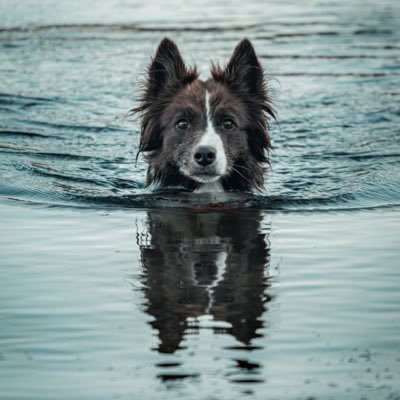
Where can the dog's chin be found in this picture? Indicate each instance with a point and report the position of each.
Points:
(202, 175)
(205, 178)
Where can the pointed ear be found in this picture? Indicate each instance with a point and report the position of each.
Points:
(166, 74)
(244, 66)
(166, 67)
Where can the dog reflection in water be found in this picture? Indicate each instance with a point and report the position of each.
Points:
(204, 263)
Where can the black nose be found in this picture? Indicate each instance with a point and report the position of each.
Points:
(205, 155)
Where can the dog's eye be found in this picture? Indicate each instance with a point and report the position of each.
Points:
(182, 124)
(228, 123)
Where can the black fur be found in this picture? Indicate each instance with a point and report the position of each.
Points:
(170, 81)
(245, 76)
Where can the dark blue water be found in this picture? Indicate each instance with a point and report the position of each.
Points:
(66, 89)
(110, 291)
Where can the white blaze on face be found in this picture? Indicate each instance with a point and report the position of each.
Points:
(212, 139)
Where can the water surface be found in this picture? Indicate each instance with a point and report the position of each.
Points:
(171, 303)
(110, 291)
(68, 83)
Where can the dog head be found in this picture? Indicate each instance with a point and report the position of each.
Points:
(196, 132)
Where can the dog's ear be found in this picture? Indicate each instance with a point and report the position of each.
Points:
(166, 68)
(244, 75)
(244, 66)
(166, 74)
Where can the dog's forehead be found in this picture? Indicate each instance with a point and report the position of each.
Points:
(199, 91)
(193, 93)
(203, 97)
(220, 97)
(191, 96)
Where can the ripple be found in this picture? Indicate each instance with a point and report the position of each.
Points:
(65, 139)
(26, 134)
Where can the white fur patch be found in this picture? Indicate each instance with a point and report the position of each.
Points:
(212, 187)
(211, 138)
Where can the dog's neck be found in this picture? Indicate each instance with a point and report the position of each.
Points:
(172, 178)
(212, 187)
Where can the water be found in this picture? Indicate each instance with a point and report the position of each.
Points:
(109, 291)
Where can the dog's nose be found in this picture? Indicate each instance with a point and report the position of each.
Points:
(205, 155)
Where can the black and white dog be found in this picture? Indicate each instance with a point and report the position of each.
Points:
(205, 136)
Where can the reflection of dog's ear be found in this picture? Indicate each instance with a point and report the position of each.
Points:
(169, 323)
(168, 280)
(240, 297)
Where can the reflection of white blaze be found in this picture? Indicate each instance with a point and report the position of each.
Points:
(221, 267)
(220, 262)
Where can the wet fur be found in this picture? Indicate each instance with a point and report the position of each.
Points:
(171, 86)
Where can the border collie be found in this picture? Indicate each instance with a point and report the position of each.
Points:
(205, 136)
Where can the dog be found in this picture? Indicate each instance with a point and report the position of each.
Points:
(205, 136)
